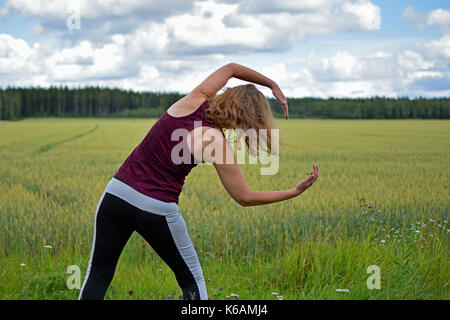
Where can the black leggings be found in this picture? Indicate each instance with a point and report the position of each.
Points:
(123, 210)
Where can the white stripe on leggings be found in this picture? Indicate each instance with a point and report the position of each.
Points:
(187, 251)
(140, 200)
(88, 271)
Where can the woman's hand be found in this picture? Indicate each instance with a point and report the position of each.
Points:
(308, 182)
(280, 97)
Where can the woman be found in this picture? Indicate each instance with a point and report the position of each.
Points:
(143, 194)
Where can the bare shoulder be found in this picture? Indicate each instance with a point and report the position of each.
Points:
(207, 143)
(186, 105)
(206, 135)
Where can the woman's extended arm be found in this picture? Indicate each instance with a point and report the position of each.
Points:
(235, 184)
(216, 80)
(215, 149)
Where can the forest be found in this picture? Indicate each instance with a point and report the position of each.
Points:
(19, 103)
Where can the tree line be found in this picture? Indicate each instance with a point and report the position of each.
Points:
(18, 103)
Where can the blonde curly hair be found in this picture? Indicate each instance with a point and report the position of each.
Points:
(244, 107)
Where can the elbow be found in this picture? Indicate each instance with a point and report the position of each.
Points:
(244, 200)
(243, 203)
(231, 67)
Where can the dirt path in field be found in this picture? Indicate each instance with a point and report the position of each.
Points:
(47, 147)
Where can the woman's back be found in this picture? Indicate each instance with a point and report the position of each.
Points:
(151, 169)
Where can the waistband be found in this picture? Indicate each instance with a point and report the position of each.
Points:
(140, 200)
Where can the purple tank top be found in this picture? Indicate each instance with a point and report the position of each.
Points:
(149, 168)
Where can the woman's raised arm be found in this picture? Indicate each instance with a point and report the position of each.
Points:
(216, 80)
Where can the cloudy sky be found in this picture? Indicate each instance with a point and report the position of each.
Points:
(319, 48)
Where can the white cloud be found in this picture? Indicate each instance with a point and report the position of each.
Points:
(366, 12)
(410, 60)
(341, 66)
(10, 47)
(439, 48)
(17, 59)
(438, 18)
(292, 6)
(232, 27)
(50, 9)
(144, 45)
(150, 38)
(193, 27)
(95, 9)
(196, 31)
(410, 14)
(343, 74)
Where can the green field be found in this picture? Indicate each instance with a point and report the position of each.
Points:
(382, 199)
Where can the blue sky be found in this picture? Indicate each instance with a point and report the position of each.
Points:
(321, 48)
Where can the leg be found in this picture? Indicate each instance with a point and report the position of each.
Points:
(169, 237)
(111, 232)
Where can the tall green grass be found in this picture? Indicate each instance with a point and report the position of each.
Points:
(381, 199)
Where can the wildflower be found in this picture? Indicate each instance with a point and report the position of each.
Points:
(48, 247)
(228, 296)
(169, 297)
(234, 295)
(274, 293)
(220, 288)
(383, 241)
(130, 292)
(180, 296)
(22, 264)
(342, 290)
(280, 297)
(209, 279)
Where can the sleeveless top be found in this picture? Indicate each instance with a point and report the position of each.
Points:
(158, 166)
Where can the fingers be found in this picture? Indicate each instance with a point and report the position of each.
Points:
(315, 172)
(285, 108)
(281, 97)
